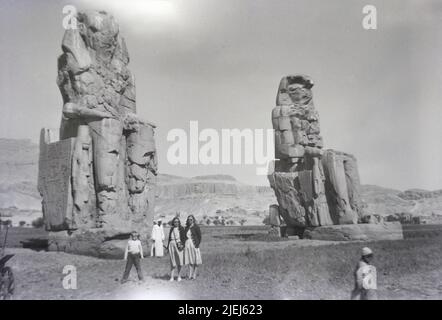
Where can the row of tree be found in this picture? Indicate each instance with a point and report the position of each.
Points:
(37, 223)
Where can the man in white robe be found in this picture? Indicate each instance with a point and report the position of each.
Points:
(157, 249)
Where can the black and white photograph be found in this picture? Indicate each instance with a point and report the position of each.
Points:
(220, 150)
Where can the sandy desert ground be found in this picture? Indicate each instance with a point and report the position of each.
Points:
(245, 263)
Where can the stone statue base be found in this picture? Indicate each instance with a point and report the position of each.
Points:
(363, 232)
(292, 231)
(99, 243)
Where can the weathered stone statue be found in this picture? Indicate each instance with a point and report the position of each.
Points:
(318, 191)
(313, 187)
(100, 176)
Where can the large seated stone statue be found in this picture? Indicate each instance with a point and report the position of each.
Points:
(100, 176)
(318, 191)
(314, 187)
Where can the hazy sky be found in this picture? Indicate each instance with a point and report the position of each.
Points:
(378, 92)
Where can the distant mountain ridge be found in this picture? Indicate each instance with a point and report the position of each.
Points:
(208, 195)
(172, 187)
(417, 194)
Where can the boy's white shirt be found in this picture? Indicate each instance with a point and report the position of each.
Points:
(133, 246)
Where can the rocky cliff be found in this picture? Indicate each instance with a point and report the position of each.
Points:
(18, 174)
(172, 187)
(211, 197)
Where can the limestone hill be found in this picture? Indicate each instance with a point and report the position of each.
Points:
(211, 198)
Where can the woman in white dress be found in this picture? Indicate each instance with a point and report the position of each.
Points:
(192, 254)
(177, 238)
(158, 238)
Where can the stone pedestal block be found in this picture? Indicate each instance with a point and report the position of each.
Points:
(105, 244)
(363, 232)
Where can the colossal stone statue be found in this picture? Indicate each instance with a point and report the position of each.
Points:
(314, 187)
(107, 151)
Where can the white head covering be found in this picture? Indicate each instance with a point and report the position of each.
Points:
(366, 251)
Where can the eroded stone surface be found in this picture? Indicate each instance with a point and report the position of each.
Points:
(313, 187)
(274, 218)
(113, 160)
(363, 232)
(54, 182)
(100, 243)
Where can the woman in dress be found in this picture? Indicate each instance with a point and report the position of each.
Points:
(177, 238)
(192, 254)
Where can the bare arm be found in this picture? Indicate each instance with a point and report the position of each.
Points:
(125, 252)
(359, 278)
(141, 249)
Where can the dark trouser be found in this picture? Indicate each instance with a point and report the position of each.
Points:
(369, 294)
(363, 294)
(132, 259)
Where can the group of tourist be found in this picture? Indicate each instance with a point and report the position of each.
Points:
(183, 246)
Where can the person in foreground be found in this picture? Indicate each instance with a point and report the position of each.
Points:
(175, 245)
(192, 254)
(133, 254)
(365, 277)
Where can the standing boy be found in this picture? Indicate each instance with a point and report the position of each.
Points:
(133, 254)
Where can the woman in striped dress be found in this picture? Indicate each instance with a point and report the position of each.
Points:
(177, 239)
(192, 254)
